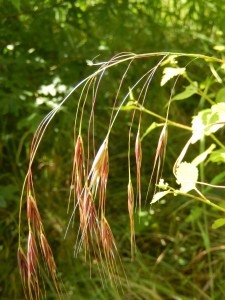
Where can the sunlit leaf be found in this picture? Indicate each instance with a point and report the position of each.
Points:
(159, 196)
(171, 59)
(205, 122)
(219, 48)
(187, 175)
(169, 73)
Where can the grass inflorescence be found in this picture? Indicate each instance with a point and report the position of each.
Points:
(91, 169)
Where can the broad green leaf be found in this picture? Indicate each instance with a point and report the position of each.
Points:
(218, 223)
(188, 92)
(169, 73)
(159, 196)
(220, 96)
(201, 157)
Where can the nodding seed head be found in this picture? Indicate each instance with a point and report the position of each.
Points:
(32, 254)
(47, 253)
(33, 214)
(23, 269)
(130, 198)
(79, 150)
(138, 150)
(100, 164)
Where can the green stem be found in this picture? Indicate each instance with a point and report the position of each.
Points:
(204, 200)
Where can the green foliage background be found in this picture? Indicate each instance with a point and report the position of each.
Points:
(45, 49)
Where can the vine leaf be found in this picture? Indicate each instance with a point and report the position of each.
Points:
(169, 73)
(187, 176)
(208, 121)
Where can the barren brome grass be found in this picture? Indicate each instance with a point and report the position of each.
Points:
(91, 169)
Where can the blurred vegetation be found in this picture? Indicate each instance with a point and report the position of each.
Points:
(46, 48)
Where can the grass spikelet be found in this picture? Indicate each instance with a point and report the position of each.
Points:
(47, 254)
(110, 252)
(131, 215)
(104, 178)
(33, 215)
(98, 166)
(88, 216)
(23, 269)
(49, 260)
(78, 171)
(159, 156)
(138, 156)
(32, 267)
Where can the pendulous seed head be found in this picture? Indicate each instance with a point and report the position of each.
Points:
(33, 267)
(33, 214)
(23, 268)
(47, 254)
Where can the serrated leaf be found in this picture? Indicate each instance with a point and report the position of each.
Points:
(188, 92)
(159, 196)
(169, 73)
(218, 223)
